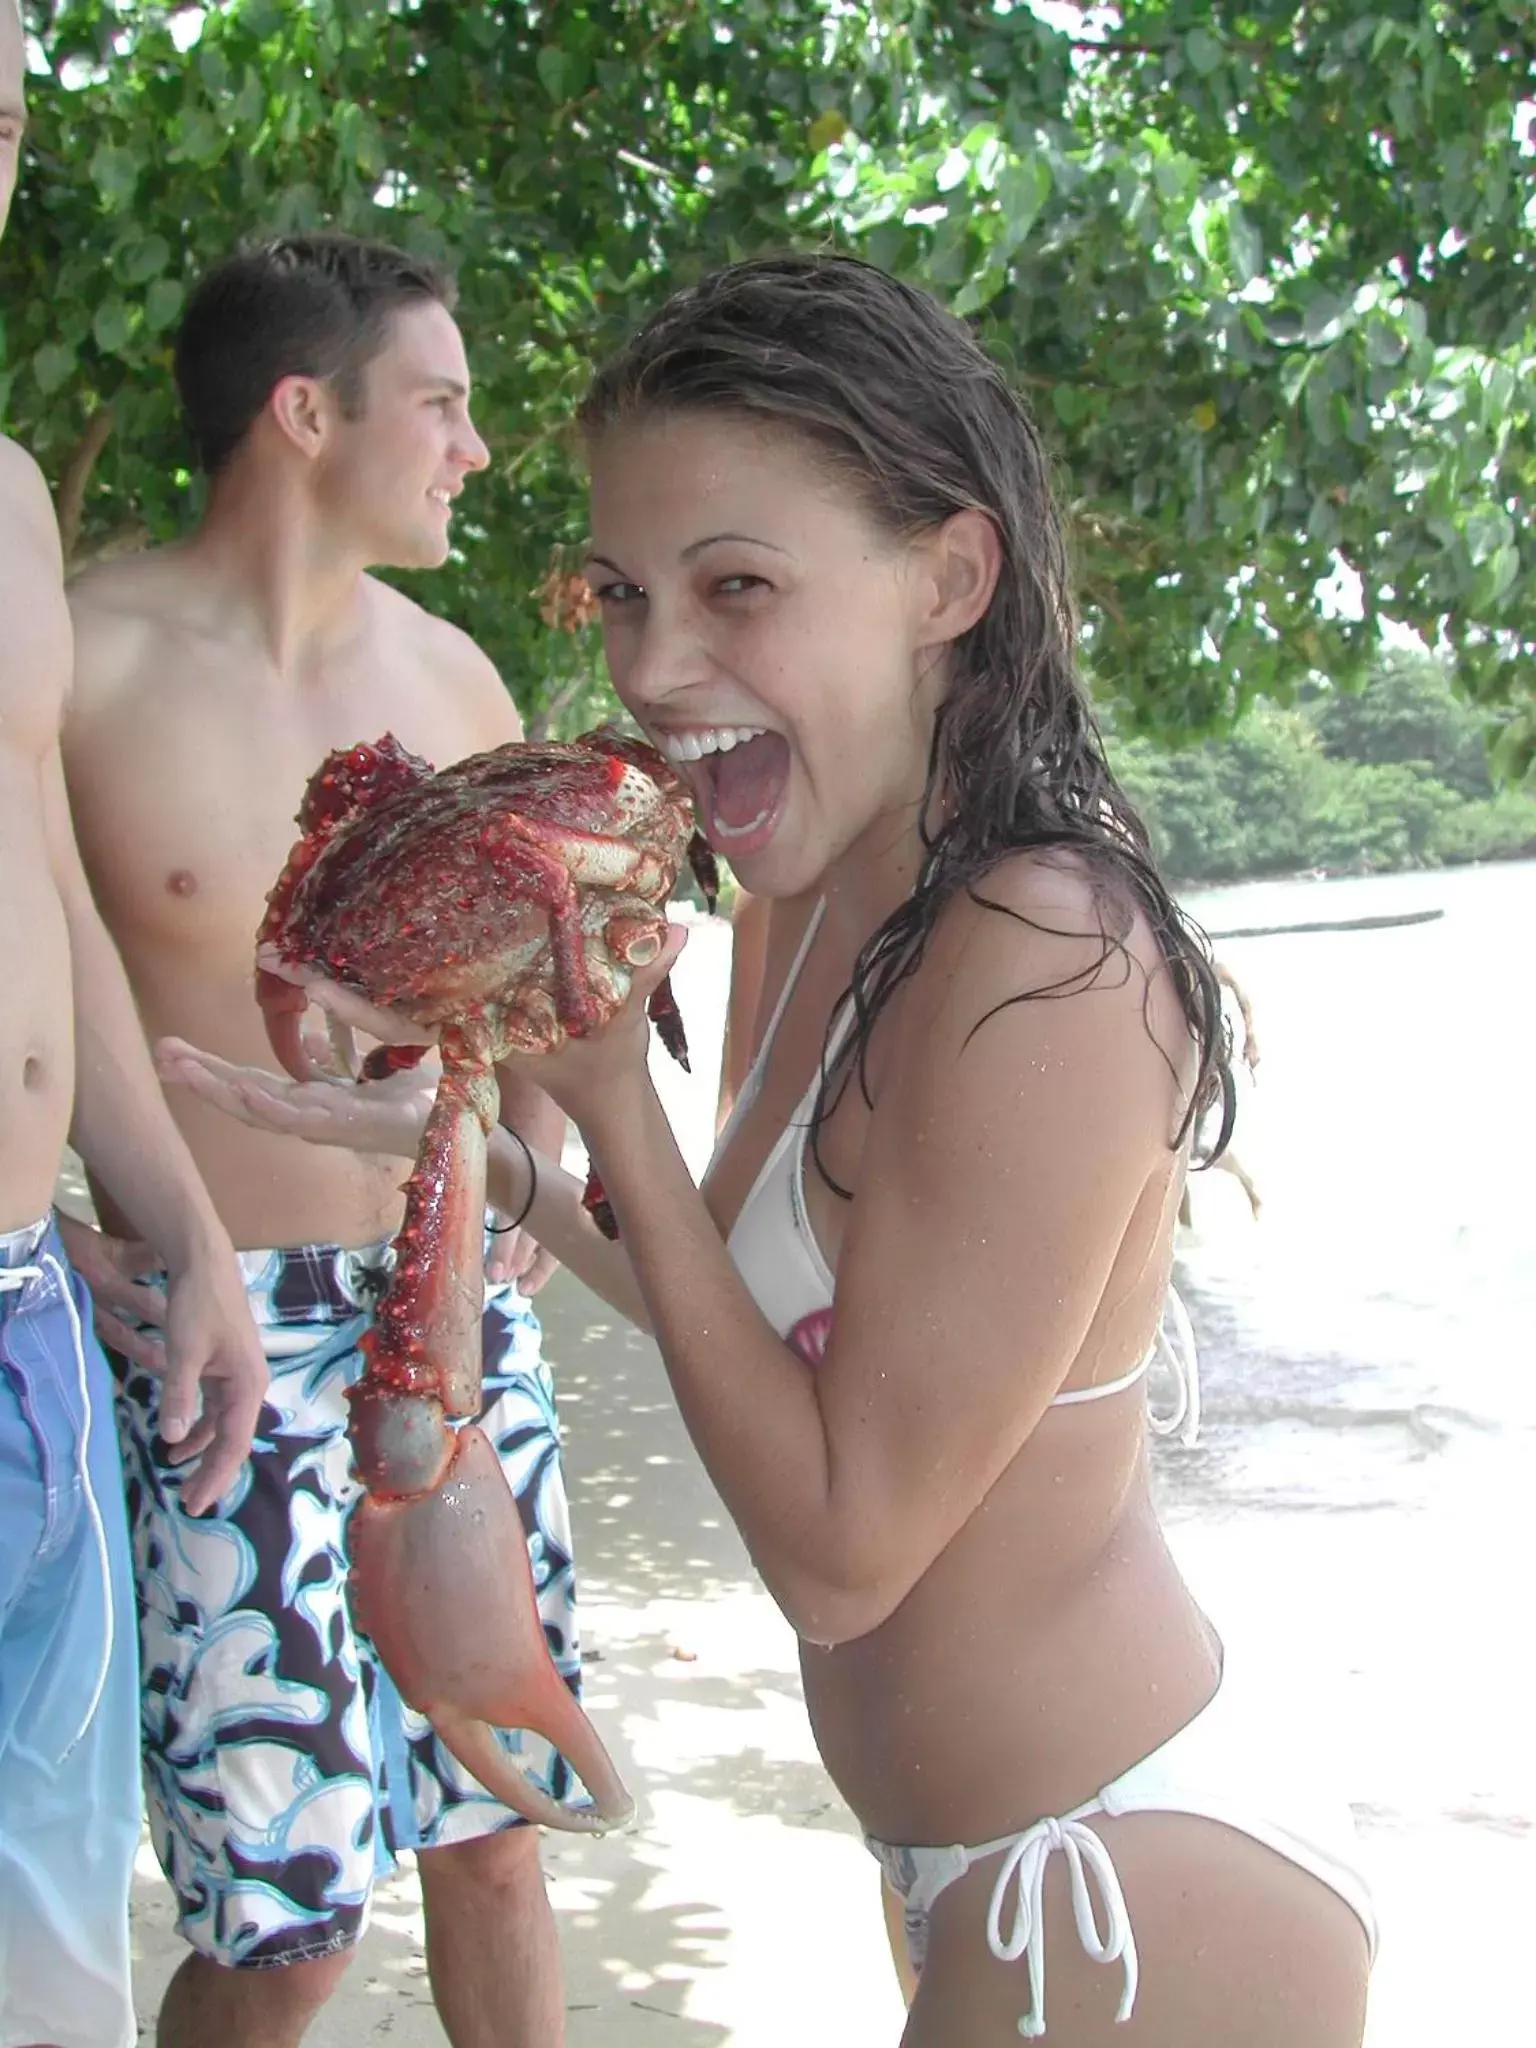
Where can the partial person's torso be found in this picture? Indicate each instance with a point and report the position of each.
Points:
(965, 1710)
(36, 1014)
(187, 759)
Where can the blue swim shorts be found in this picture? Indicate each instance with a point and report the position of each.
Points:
(69, 1766)
(282, 1769)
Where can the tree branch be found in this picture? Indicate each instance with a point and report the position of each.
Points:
(77, 474)
(539, 726)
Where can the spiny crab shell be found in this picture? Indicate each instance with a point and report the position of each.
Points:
(504, 901)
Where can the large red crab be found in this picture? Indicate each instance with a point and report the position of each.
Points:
(504, 903)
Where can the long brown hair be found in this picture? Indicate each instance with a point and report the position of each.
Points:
(918, 419)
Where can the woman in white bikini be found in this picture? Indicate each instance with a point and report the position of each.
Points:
(908, 1319)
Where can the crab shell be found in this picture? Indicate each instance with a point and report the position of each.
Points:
(508, 898)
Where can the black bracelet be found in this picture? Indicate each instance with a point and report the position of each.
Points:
(501, 1229)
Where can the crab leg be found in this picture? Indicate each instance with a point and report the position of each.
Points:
(441, 1577)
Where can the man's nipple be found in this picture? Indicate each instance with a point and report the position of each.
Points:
(181, 882)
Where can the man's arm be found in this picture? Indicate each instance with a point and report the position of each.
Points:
(125, 1133)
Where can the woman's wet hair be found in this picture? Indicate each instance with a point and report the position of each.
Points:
(295, 306)
(914, 416)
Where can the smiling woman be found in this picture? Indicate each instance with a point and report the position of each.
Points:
(828, 525)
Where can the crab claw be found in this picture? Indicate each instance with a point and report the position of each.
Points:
(701, 858)
(443, 1586)
(282, 1007)
(663, 1012)
(595, 1201)
(384, 1060)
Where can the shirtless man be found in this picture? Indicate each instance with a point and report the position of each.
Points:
(73, 1063)
(325, 386)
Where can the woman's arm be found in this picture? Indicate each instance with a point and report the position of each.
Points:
(559, 1222)
(1001, 1169)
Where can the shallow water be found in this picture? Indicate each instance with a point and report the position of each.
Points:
(1357, 1514)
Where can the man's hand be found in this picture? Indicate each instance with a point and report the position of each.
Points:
(112, 1268)
(214, 1378)
(202, 1347)
(385, 1116)
(514, 1255)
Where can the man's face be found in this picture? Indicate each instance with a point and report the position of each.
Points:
(389, 476)
(13, 115)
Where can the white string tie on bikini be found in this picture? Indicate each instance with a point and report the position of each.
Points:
(1176, 1350)
(12, 1279)
(1024, 1865)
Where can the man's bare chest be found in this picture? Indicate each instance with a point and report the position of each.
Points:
(189, 818)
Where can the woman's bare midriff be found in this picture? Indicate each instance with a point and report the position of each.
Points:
(1050, 1647)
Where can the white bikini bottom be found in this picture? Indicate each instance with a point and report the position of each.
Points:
(1217, 1768)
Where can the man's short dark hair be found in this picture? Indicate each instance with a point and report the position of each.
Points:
(297, 306)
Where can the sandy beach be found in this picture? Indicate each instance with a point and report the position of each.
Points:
(1351, 1520)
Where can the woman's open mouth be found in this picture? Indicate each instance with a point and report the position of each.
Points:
(739, 776)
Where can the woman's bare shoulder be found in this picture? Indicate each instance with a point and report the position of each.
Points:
(1050, 924)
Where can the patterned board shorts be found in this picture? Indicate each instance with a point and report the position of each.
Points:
(282, 1769)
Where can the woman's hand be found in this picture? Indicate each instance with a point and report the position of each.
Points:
(363, 1116)
(587, 1073)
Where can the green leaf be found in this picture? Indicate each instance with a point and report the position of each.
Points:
(1022, 191)
(110, 326)
(202, 139)
(52, 366)
(1323, 310)
(1070, 405)
(1244, 245)
(1204, 51)
(1496, 576)
(114, 173)
(554, 65)
(162, 303)
(145, 259)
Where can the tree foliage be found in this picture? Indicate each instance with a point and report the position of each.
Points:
(1395, 776)
(1265, 272)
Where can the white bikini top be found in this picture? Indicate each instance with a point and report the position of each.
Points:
(776, 1253)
